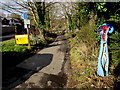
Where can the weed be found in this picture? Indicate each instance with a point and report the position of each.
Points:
(84, 57)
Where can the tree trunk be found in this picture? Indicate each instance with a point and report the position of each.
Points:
(40, 6)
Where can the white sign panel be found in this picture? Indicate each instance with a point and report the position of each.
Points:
(26, 21)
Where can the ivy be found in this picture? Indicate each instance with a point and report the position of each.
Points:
(101, 7)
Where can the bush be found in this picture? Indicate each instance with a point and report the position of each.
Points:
(114, 45)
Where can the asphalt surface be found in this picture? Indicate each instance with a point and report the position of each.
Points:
(46, 69)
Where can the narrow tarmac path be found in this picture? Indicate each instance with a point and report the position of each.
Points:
(50, 65)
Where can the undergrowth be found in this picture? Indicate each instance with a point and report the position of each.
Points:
(84, 57)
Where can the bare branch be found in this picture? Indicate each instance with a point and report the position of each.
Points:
(11, 8)
(51, 3)
(9, 11)
(22, 5)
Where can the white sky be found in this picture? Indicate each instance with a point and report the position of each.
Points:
(11, 4)
(48, 0)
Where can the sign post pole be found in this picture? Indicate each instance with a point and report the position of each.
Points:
(26, 23)
(28, 37)
(24, 38)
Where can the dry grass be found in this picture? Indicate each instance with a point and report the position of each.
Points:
(84, 57)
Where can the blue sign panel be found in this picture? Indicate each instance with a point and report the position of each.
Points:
(25, 16)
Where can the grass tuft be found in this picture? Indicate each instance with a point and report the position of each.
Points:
(84, 57)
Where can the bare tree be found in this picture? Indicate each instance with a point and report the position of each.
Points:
(37, 10)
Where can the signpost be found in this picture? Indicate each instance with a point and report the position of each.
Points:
(24, 39)
(26, 21)
(103, 59)
(27, 24)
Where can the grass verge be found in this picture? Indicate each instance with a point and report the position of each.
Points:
(84, 57)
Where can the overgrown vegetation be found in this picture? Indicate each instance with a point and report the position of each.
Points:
(114, 51)
(85, 46)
